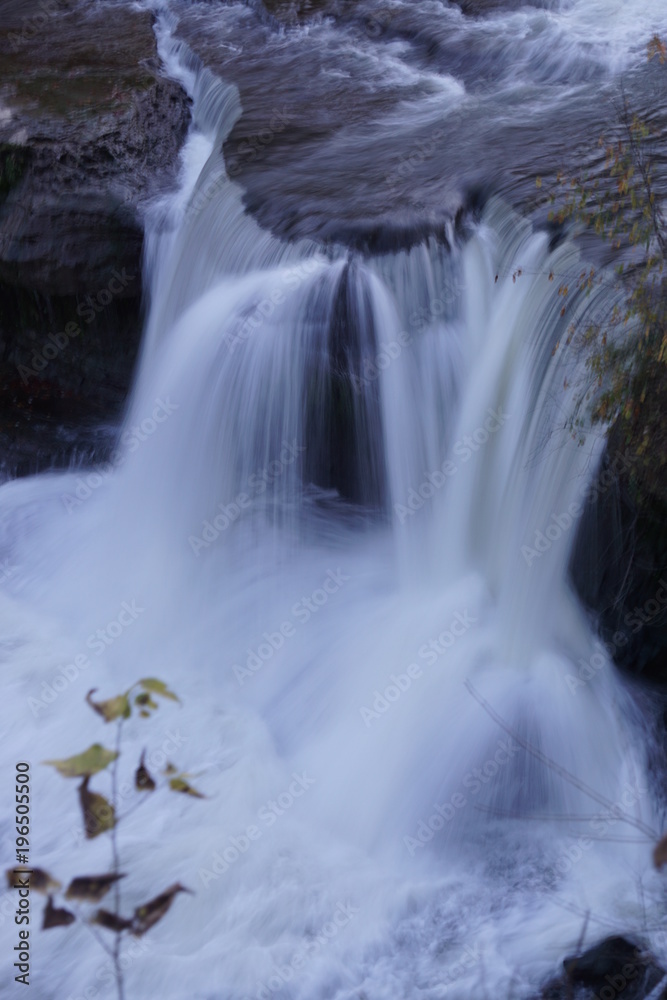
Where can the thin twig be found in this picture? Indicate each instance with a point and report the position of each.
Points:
(116, 866)
(547, 817)
(640, 882)
(133, 809)
(616, 840)
(582, 913)
(582, 936)
(657, 992)
(512, 814)
(577, 953)
(558, 768)
(98, 937)
(645, 172)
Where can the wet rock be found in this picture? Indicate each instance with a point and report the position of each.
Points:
(317, 162)
(620, 557)
(353, 157)
(342, 409)
(615, 967)
(480, 8)
(484, 8)
(65, 366)
(89, 131)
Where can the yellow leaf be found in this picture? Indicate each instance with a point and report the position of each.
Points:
(82, 765)
(156, 686)
(179, 784)
(114, 708)
(145, 702)
(656, 47)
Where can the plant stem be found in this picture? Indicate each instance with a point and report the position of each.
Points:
(120, 985)
(102, 943)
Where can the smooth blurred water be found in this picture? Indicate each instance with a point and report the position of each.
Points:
(327, 488)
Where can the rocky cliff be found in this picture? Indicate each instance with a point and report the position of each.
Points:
(89, 130)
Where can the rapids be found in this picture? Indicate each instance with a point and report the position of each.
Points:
(322, 512)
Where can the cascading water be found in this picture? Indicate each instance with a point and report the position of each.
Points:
(323, 512)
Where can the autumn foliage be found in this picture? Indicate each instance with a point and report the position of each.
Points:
(626, 351)
(100, 815)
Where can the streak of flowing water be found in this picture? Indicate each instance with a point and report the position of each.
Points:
(327, 491)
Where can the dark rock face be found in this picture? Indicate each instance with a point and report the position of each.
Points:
(89, 130)
(302, 9)
(615, 967)
(342, 416)
(65, 366)
(316, 161)
(619, 564)
(353, 157)
(480, 8)
(486, 8)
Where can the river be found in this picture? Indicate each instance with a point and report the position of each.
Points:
(338, 524)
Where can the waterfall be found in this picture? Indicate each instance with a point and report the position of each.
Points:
(326, 500)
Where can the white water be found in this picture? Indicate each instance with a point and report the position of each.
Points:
(508, 890)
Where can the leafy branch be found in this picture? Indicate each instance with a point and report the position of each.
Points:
(626, 350)
(100, 815)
